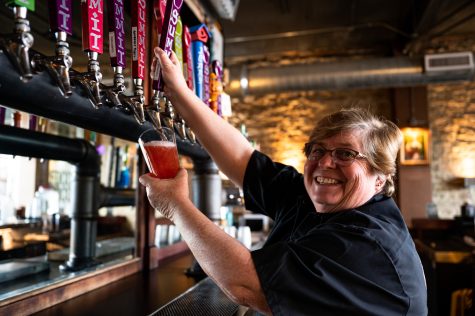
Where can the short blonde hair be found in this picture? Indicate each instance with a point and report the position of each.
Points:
(381, 139)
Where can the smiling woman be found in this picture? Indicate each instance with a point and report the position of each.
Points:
(339, 245)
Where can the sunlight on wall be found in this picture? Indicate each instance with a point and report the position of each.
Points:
(291, 154)
(464, 165)
(17, 183)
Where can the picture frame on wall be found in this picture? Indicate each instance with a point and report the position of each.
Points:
(415, 146)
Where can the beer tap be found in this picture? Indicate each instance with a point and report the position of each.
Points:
(58, 66)
(136, 102)
(168, 28)
(188, 71)
(216, 86)
(158, 101)
(18, 44)
(92, 40)
(199, 38)
(206, 87)
(180, 126)
(117, 54)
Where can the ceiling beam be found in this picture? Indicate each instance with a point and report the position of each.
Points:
(461, 14)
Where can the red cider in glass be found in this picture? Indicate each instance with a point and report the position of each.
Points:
(162, 158)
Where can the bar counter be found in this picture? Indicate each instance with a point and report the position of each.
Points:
(142, 293)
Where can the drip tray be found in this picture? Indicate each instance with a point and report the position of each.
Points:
(103, 248)
(205, 299)
(14, 269)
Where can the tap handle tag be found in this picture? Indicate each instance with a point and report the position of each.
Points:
(92, 32)
(170, 20)
(206, 75)
(187, 59)
(29, 4)
(117, 52)
(200, 33)
(61, 16)
(138, 38)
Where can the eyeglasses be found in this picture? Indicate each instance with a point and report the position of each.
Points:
(340, 156)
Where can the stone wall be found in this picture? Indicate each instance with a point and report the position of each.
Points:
(281, 123)
(452, 123)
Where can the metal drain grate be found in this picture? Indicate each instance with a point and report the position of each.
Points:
(204, 299)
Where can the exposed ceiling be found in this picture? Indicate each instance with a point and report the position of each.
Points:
(342, 27)
(305, 27)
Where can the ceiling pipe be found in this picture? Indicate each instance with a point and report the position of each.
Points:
(352, 74)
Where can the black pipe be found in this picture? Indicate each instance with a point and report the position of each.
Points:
(22, 142)
(117, 197)
(207, 188)
(40, 96)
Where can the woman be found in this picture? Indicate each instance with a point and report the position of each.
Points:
(339, 245)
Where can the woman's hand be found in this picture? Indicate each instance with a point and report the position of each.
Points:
(172, 73)
(167, 195)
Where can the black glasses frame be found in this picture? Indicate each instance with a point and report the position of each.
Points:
(341, 156)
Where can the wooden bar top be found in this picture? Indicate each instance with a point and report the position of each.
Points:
(139, 294)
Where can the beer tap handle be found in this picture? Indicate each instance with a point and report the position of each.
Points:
(216, 87)
(92, 42)
(199, 37)
(136, 103)
(60, 17)
(117, 52)
(179, 123)
(17, 46)
(170, 20)
(206, 93)
(187, 59)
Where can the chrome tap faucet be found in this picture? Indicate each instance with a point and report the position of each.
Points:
(136, 102)
(156, 109)
(18, 44)
(91, 79)
(57, 66)
(113, 93)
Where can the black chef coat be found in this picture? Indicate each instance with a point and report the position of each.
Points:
(360, 261)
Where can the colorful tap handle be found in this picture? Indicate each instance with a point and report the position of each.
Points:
(29, 4)
(92, 31)
(2, 115)
(216, 86)
(199, 36)
(217, 69)
(116, 33)
(138, 38)
(159, 7)
(61, 16)
(187, 59)
(206, 75)
(177, 42)
(170, 20)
